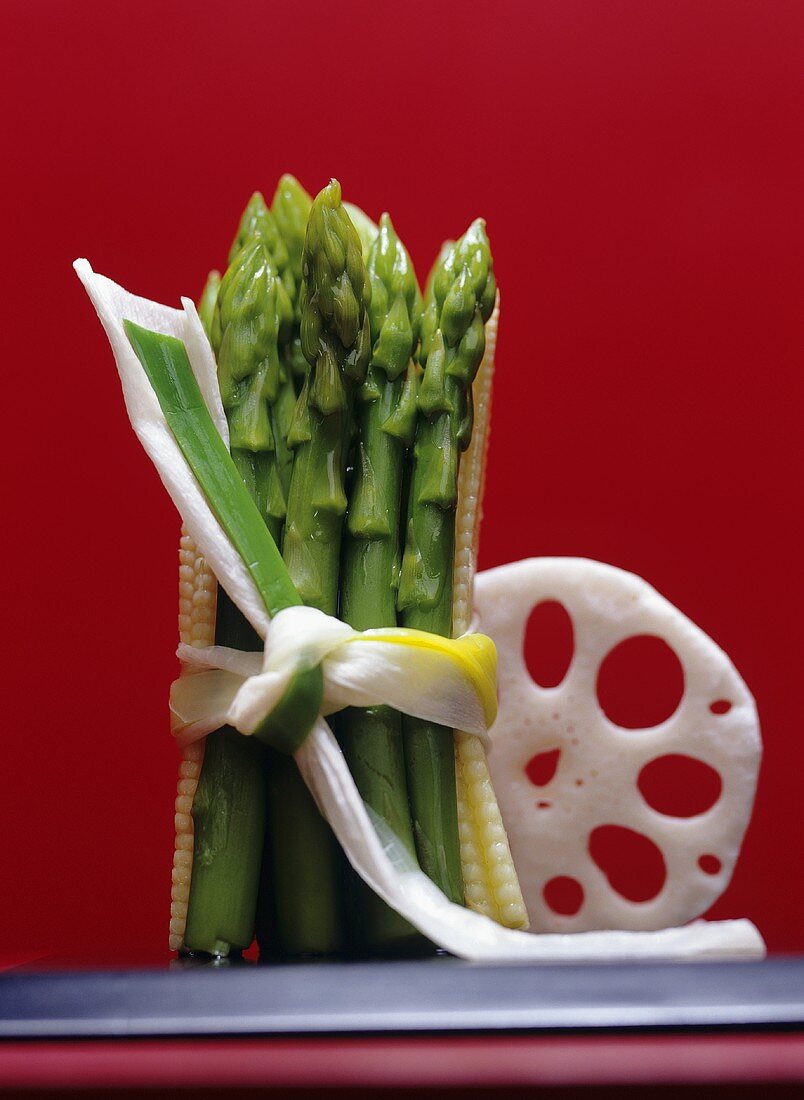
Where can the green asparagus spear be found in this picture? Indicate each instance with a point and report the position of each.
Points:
(290, 207)
(459, 299)
(372, 739)
(206, 303)
(227, 820)
(252, 313)
(335, 338)
(291, 210)
(367, 230)
(336, 341)
(258, 221)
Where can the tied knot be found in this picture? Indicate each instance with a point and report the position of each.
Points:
(447, 681)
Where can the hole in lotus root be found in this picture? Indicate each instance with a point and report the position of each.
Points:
(709, 864)
(720, 706)
(541, 768)
(631, 862)
(640, 682)
(564, 895)
(548, 643)
(679, 786)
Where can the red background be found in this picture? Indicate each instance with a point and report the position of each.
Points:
(640, 169)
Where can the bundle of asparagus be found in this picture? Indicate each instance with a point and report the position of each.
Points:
(322, 428)
(379, 426)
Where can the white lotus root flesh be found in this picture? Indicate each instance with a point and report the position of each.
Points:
(599, 763)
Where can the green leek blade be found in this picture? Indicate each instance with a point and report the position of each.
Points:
(165, 361)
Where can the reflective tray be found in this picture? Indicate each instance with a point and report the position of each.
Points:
(397, 998)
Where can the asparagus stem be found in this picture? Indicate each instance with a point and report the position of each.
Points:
(335, 339)
(372, 739)
(228, 822)
(459, 299)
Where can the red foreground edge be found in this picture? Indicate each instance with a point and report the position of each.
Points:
(392, 1063)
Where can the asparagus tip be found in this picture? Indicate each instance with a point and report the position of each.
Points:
(331, 194)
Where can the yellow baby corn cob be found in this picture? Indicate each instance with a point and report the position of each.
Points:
(490, 880)
(471, 477)
(198, 591)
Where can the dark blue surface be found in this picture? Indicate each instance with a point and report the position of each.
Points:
(435, 995)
